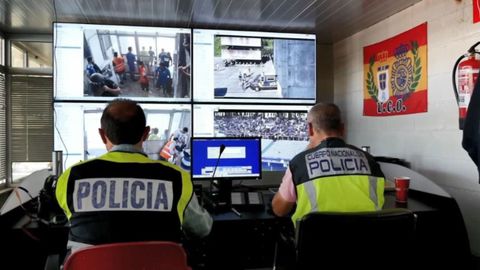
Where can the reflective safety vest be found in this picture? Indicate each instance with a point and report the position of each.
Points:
(336, 177)
(119, 64)
(166, 150)
(122, 197)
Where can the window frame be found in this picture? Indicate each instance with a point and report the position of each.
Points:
(12, 71)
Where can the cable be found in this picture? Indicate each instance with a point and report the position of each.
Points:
(55, 18)
(61, 139)
(33, 217)
(472, 49)
(17, 194)
(26, 191)
(29, 234)
(454, 76)
(55, 49)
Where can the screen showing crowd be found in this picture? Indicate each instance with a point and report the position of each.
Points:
(283, 128)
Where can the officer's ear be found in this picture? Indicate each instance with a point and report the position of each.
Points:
(310, 129)
(145, 133)
(103, 135)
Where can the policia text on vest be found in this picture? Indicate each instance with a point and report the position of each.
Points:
(112, 194)
(334, 161)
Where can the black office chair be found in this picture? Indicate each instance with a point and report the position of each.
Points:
(366, 240)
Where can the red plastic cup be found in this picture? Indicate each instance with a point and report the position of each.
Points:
(401, 188)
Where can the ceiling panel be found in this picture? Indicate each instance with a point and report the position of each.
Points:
(331, 20)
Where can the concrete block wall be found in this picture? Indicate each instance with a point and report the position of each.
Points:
(431, 141)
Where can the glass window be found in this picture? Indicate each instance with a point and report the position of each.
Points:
(31, 117)
(105, 42)
(18, 57)
(125, 42)
(34, 63)
(26, 54)
(22, 169)
(2, 51)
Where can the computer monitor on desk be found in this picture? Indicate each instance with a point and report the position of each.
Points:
(224, 159)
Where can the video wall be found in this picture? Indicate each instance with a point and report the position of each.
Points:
(190, 82)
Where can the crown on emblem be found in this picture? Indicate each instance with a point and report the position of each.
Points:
(401, 50)
(382, 56)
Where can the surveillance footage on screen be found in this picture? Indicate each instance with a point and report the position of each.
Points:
(237, 66)
(98, 62)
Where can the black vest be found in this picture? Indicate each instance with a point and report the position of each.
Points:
(124, 201)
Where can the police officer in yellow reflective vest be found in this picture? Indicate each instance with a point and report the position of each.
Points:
(124, 196)
(330, 175)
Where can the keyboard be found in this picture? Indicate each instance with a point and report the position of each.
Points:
(255, 198)
(247, 199)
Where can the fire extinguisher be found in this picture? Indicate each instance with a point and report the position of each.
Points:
(465, 74)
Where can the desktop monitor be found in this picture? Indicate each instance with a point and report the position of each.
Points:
(240, 158)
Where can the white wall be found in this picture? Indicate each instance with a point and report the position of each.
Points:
(430, 141)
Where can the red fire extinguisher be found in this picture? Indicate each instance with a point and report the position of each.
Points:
(465, 74)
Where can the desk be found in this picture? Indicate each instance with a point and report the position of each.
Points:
(248, 241)
(441, 240)
(240, 242)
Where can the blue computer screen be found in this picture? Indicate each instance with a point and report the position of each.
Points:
(240, 158)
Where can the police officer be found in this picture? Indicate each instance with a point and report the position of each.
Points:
(330, 175)
(124, 196)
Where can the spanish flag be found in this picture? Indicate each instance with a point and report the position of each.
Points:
(395, 74)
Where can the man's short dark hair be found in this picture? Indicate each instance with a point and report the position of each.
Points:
(185, 129)
(326, 117)
(123, 121)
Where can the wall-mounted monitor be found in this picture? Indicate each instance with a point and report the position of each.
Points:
(283, 128)
(244, 66)
(99, 62)
(76, 128)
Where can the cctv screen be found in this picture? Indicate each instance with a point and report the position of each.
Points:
(100, 62)
(77, 124)
(283, 128)
(241, 66)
